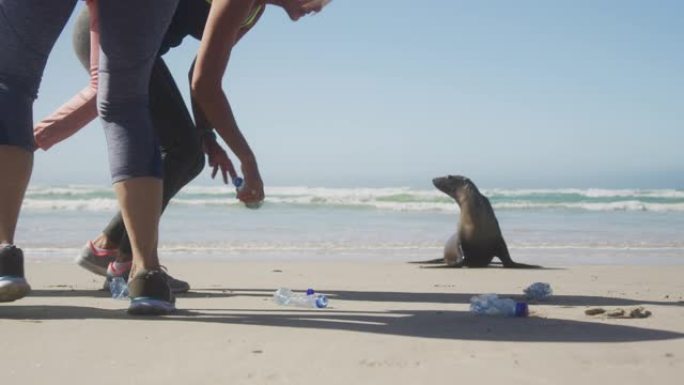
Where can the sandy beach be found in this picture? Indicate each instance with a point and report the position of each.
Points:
(388, 322)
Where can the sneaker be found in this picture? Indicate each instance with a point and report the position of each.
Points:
(150, 294)
(13, 285)
(177, 286)
(96, 259)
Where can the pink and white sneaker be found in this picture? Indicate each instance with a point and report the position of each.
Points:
(117, 270)
(96, 259)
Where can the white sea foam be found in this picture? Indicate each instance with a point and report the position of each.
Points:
(360, 248)
(69, 190)
(101, 198)
(97, 204)
(588, 193)
(594, 206)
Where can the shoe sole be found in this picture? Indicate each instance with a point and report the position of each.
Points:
(179, 289)
(174, 290)
(85, 260)
(13, 288)
(150, 306)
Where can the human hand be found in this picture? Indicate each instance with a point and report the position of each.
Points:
(50, 132)
(218, 159)
(252, 192)
(40, 136)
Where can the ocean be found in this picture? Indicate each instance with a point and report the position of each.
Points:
(552, 227)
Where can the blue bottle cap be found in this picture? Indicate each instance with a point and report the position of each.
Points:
(237, 182)
(310, 291)
(521, 309)
(321, 301)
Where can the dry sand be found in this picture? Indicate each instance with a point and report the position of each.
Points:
(388, 323)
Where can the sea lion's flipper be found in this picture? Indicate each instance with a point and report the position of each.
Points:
(505, 258)
(517, 265)
(430, 261)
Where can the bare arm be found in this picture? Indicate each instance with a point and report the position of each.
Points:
(220, 34)
(216, 155)
(201, 120)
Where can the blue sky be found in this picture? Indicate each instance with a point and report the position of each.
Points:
(394, 92)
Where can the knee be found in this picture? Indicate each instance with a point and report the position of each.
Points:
(105, 109)
(131, 140)
(130, 111)
(184, 156)
(193, 158)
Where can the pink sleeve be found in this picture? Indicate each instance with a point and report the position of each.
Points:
(80, 109)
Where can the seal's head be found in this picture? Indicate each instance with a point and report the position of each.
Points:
(455, 186)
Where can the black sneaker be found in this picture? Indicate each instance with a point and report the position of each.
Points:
(150, 294)
(13, 285)
(177, 286)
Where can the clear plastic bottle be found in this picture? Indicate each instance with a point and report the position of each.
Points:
(284, 296)
(538, 290)
(118, 288)
(239, 184)
(491, 304)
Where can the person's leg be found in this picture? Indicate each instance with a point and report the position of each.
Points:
(182, 154)
(17, 164)
(97, 254)
(28, 31)
(130, 36)
(182, 159)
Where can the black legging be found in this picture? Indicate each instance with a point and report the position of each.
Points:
(182, 155)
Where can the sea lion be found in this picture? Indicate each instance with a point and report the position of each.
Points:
(478, 239)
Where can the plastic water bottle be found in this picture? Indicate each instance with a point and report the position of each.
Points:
(239, 184)
(284, 296)
(538, 290)
(118, 288)
(491, 304)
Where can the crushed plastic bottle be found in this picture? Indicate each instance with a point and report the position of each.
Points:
(285, 296)
(118, 288)
(538, 291)
(239, 184)
(491, 304)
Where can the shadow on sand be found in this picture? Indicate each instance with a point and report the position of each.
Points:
(381, 296)
(449, 325)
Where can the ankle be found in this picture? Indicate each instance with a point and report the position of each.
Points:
(104, 242)
(139, 267)
(124, 258)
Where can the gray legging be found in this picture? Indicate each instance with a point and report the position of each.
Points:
(130, 35)
(182, 156)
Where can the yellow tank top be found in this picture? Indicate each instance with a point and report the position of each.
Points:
(251, 18)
